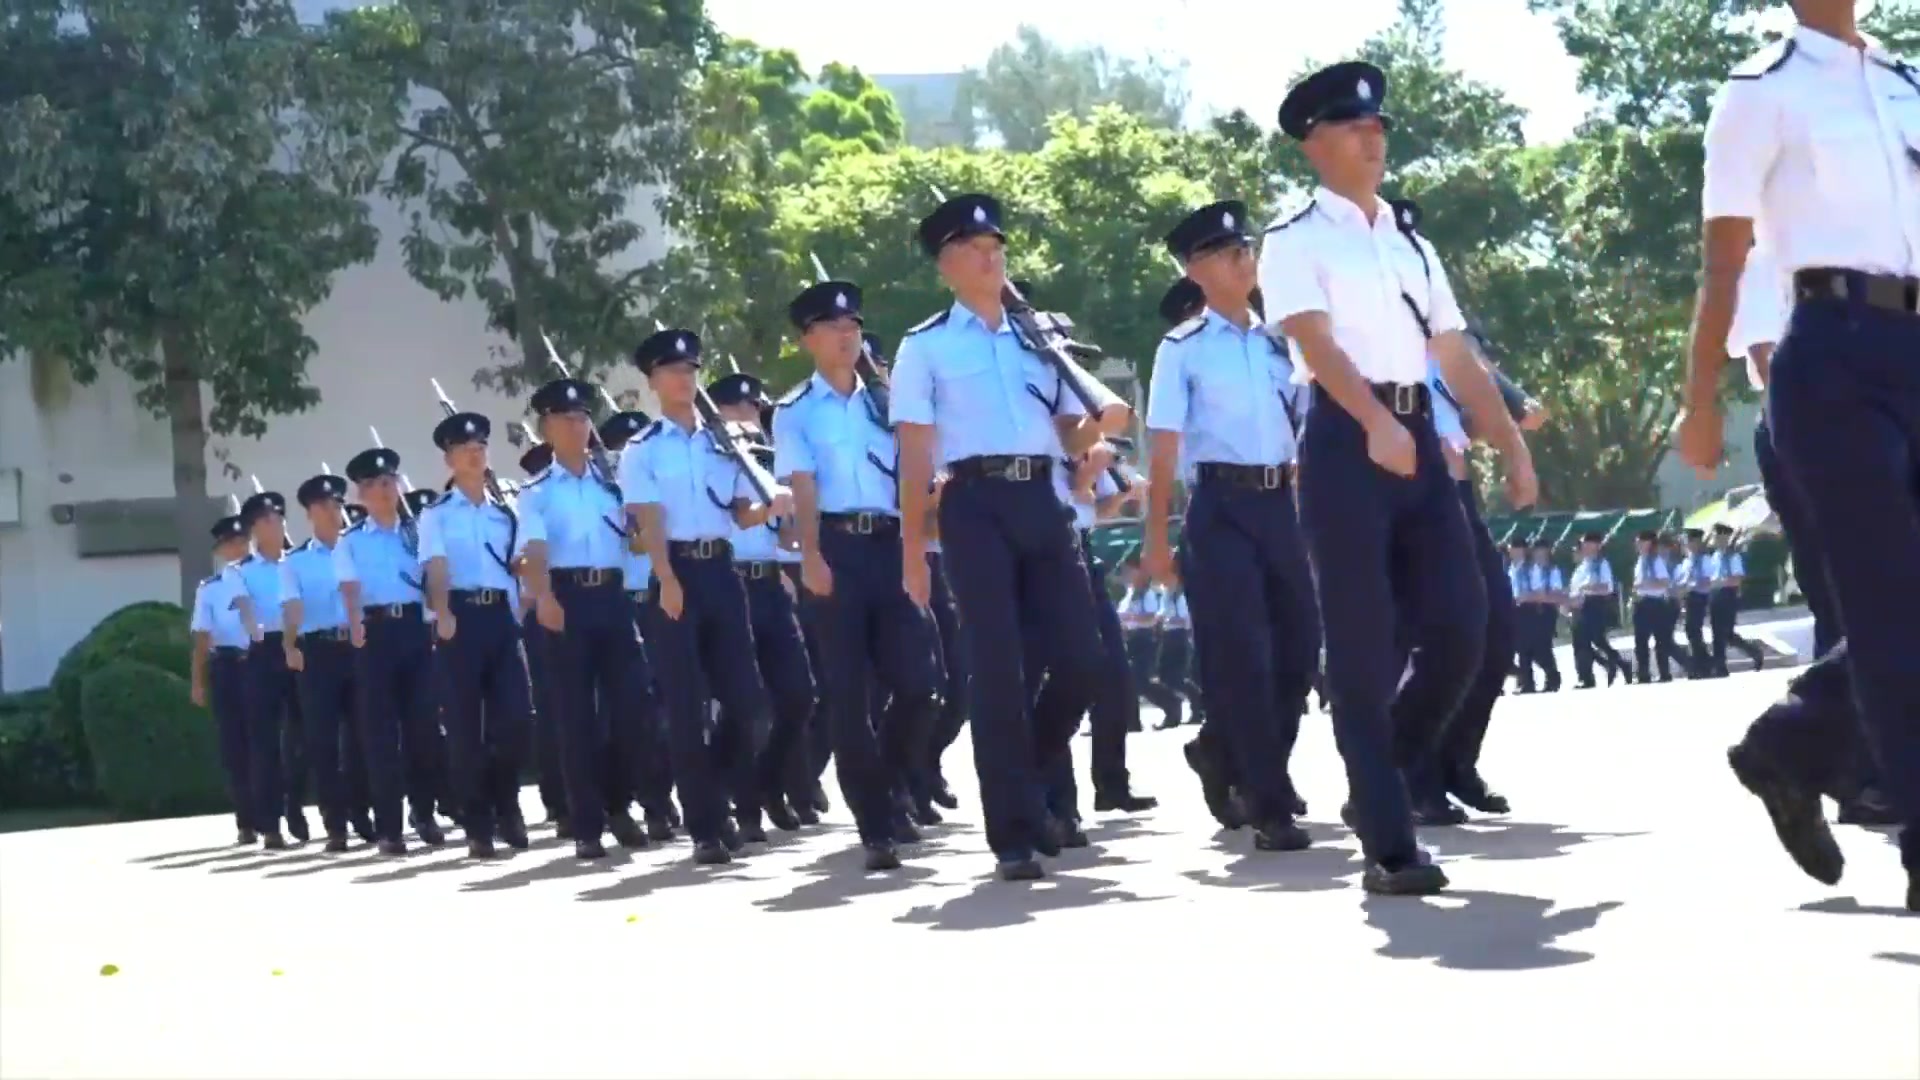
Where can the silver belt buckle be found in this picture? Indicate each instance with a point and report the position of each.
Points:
(703, 549)
(1406, 398)
(1021, 470)
(394, 610)
(592, 578)
(863, 524)
(1270, 477)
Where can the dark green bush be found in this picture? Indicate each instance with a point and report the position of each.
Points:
(39, 769)
(149, 632)
(155, 753)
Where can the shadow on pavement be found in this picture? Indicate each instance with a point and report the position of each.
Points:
(1317, 869)
(164, 856)
(681, 873)
(554, 869)
(1480, 931)
(1503, 840)
(1899, 957)
(839, 878)
(993, 904)
(1847, 905)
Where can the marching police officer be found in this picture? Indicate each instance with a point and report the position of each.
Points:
(468, 544)
(1383, 522)
(1596, 599)
(1729, 570)
(576, 549)
(655, 777)
(687, 498)
(1694, 580)
(377, 562)
(781, 652)
(314, 623)
(222, 633)
(969, 395)
(546, 739)
(1222, 401)
(1652, 609)
(832, 442)
(278, 738)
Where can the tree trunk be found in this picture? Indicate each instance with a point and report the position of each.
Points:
(186, 424)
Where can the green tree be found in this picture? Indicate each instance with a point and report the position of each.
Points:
(1030, 80)
(755, 129)
(530, 130)
(182, 181)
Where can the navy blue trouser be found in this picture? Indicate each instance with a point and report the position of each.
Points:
(651, 776)
(1699, 660)
(1723, 614)
(871, 634)
(327, 701)
(1251, 592)
(483, 681)
(1011, 559)
(956, 676)
(227, 696)
(393, 673)
(1803, 540)
(599, 734)
(1467, 730)
(1590, 639)
(1653, 636)
(546, 735)
(1115, 708)
(708, 649)
(818, 748)
(780, 767)
(277, 745)
(1844, 406)
(1387, 549)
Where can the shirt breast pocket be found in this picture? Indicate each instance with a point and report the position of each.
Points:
(967, 381)
(1220, 389)
(1845, 152)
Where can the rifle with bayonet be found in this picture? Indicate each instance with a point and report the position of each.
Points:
(596, 449)
(492, 482)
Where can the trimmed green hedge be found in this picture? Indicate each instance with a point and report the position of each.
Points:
(155, 753)
(150, 632)
(39, 767)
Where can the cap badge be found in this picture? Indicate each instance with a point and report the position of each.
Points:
(469, 427)
(1364, 90)
(1226, 221)
(573, 393)
(980, 214)
(840, 300)
(680, 344)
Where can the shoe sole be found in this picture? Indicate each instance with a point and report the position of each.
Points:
(1429, 881)
(1797, 820)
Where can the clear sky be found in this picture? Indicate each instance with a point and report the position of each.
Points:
(1236, 53)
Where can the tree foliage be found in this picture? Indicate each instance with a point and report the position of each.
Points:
(529, 131)
(1032, 79)
(182, 181)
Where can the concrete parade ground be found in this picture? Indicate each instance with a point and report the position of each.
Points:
(1632, 917)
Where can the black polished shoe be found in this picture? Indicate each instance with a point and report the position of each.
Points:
(246, 838)
(1048, 841)
(730, 838)
(513, 831)
(1796, 814)
(943, 795)
(1213, 787)
(1124, 801)
(780, 814)
(1436, 813)
(1416, 877)
(480, 847)
(429, 830)
(1280, 834)
(1020, 869)
(711, 853)
(818, 797)
(273, 841)
(362, 827)
(393, 845)
(806, 815)
(626, 831)
(1473, 793)
(336, 843)
(881, 856)
(297, 828)
(1072, 835)
(903, 830)
(659, 828)
(589, 847)
(925, 813)
(751, 832)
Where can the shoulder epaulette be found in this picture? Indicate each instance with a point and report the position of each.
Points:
(1766, 61)
(1907, 73)
(653, 429)
(937, 320)
(794, 395)
(211, 580)
(1303, 212)
(305, 546)
(440, 499)
(537, 477)
(358, 525)
(247, 558)
(1186, 329)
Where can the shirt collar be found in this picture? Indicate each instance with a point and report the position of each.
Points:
(1345, 211)
(1212, 318)
(1826, 48)
(961, 315)
(820, 383)
(455, 493)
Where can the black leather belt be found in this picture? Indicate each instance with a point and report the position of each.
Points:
(315, 637)
(1257, 477)
(271, 637)
(701, 549)
(1016, 468)
(1885, 291)
(860, 524)
(481, 597)
(231, 652)
(588, 577)
(1404, 399)
(392, 612)
(757, 569)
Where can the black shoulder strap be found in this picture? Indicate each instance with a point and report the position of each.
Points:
(1406, 230)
